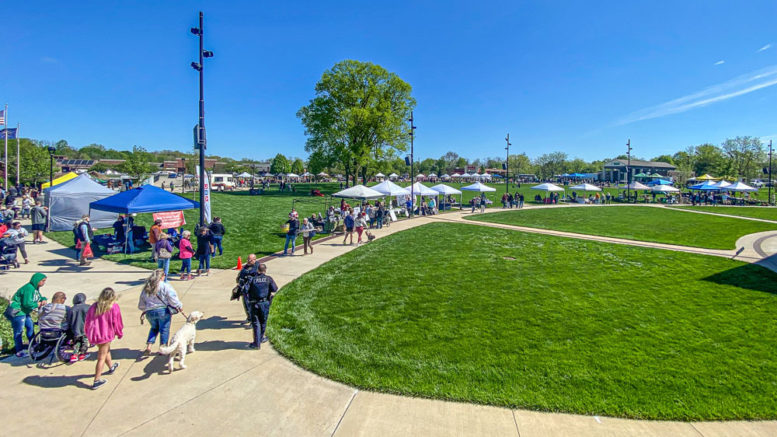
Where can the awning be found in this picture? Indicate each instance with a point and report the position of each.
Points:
(586, 187)
(358, 192)
(146, 198)
(547, 187)
(64, 178)
(445, 189)
(479, 187)
(389, 188)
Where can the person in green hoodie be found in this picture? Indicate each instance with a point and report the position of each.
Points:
(26, 300)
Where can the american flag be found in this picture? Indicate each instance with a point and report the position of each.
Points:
(2, 117)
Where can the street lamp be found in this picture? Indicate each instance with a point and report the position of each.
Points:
(769, 201)
(628, 170)
(507, 164)
(201, 140)
(412, 165)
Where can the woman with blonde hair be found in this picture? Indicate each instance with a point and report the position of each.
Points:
(159, 302)
(103, 324)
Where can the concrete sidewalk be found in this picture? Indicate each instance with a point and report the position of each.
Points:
(228, 390)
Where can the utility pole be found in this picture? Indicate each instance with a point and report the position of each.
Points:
(507, 164)
(201, 139)
(628, 170)
(412, 165)
(770, 173)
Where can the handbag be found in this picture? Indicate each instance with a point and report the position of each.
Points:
(164, 254)
(11, 312)
(88, 251)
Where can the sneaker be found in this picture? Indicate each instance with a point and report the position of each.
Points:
(74, 358)
(252, 346)
(265, 339)
(99, 383)
(112, 369)
(22, 354)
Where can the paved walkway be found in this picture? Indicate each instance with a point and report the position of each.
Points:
(228, 390)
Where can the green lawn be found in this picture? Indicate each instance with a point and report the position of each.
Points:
(661, 225)
(252, 223)
(761, 212)
(492, 316)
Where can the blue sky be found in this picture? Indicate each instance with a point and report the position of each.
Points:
(579, 77)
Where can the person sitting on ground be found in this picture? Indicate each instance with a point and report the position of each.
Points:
(76, 318)
(53, 315)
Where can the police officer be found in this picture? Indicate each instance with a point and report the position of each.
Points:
(260, 294)
(249, 270)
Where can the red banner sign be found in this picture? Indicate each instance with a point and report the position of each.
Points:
(170, 219)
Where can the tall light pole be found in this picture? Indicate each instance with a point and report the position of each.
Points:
(51, 150)
(507, 163)
(628, 170)
(412, 165)
(770, 173)
(201, 139)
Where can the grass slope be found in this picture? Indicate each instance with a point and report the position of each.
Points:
(760, 212)
(661, 225)
(568, 325)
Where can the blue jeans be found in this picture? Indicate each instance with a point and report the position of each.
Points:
(186, 266)
(19, 323)
(204, 262)
(217, 243)
(380, 222)
(164, 264)
(293, 239)
(159, 319)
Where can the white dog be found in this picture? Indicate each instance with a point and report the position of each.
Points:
(182, 340)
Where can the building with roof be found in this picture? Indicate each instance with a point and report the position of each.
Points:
(616, 170)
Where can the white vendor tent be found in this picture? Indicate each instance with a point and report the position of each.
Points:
(389, 188)
(665, 189)
(585, 187)
(393, 176)
(740, 186)
(420, 189)
(358, 192)
(637, 186)
(445, 189)
(244, 175)
(479, 187)
(70, 200)
(547, 187)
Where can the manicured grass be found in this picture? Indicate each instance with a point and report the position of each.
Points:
(561, 325)
(761, 212)
(252, 223)
(661, 225)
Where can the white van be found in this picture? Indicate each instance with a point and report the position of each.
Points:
(222, 181)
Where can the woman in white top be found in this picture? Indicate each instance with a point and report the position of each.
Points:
(308, 231)
(361, 223)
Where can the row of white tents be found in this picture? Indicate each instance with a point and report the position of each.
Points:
(390, 189)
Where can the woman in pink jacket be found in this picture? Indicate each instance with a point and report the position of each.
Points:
(186, 253)
(103, 324)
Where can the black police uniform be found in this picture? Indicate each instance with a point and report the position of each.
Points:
(248, 272)
(259, 292)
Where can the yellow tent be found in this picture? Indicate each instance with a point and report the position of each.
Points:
(64, 178)
(706, 177)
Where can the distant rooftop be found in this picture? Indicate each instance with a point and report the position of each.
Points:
(638, 163)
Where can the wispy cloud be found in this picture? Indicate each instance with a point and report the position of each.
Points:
(738, 86)
(721, 62)
(766, 47)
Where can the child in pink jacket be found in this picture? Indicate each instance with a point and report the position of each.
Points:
(103, 324)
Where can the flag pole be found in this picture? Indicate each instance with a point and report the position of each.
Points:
(5, 132)
(18, 156)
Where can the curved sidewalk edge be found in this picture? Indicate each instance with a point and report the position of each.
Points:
(227, 389)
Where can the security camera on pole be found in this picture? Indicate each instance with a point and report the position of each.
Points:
(199, 131)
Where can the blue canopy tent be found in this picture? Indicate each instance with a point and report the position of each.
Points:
(659, 182)
(706, 186)
(146, 198)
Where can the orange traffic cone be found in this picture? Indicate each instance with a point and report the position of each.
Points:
(239, 264)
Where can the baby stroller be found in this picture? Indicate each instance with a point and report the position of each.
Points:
(51, 344)
(7, 255)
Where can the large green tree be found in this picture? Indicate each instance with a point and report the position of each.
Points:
(298, 166)
(34, 159)
(138, 163)
(359, 112)
(280, 164)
